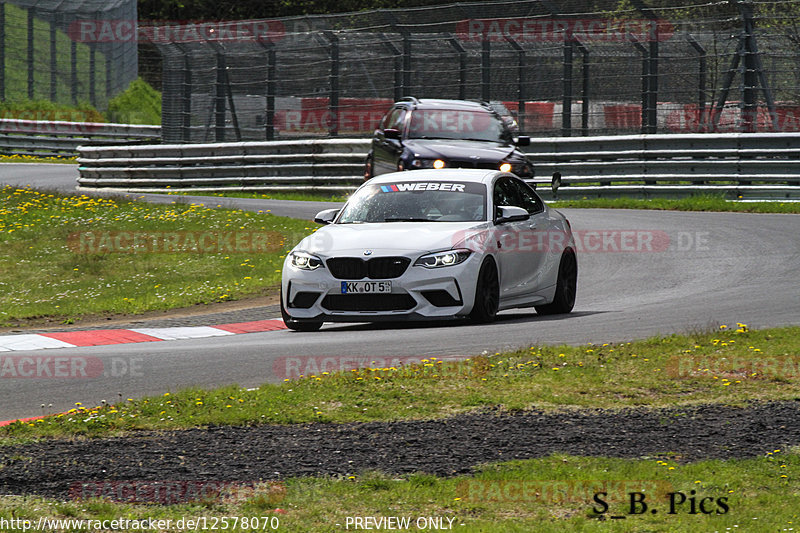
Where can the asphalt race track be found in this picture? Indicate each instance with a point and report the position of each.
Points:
(698, 271)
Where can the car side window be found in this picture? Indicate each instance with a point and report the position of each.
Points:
(394, 119)
(398, 119)
(508, 191)
(530, 202)
(505, 194)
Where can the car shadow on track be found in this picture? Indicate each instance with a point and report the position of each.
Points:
(501, 319)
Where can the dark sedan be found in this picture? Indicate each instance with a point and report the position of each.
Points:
(431, 133)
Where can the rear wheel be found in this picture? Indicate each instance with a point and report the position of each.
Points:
(298, 324)
(487, 294)
(566, 287)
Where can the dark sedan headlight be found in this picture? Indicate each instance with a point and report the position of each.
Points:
(428, 163)
(304, 261)
(442, 259)
(520, 168)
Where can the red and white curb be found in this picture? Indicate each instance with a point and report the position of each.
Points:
(104, 337)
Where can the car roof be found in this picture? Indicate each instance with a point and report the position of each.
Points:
(440, 103)
(445, 174)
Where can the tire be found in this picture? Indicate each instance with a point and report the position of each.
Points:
(566, 287)
(369, 170)
(297, 324)
(487, 294)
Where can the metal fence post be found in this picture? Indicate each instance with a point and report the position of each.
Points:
(271, 89)
(645, 81)
(406, 63)
(652, 88)
(219, 101)
(53, 62)
(585, 87)
(486, 69)
(462, 68)
(702, 122)
(2, 50)
(398, 74)
(109, 76)
(73, 59)
(520, 82)
(334, 83)
(31, 21)
(92, 75)
(186, 118)
(566, 100)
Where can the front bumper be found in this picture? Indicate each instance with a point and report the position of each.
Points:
(419, 293)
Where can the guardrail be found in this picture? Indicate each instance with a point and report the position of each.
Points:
(62, 139)
(764, 165)
(323, 164)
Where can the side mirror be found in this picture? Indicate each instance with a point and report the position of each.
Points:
(391, 133)
(523, 140)
(511, 213)
(556, 183)
(326, 217)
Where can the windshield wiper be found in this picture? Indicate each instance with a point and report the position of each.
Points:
(406, 219)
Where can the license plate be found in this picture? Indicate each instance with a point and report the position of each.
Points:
(366, 287)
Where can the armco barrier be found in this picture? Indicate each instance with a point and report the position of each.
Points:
(53, 138)
(321, 164)
(763, 165)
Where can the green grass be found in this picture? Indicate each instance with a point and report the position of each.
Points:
(694, 203)
(49, 270)
(16, 67)
(296, 196)
(138, 104)
(549, 495)
(730, 367)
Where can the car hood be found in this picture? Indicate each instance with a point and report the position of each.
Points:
(457, 149)
(388, 238)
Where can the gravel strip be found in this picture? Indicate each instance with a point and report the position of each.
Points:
(445, 447)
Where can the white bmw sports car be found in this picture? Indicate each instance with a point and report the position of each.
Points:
(430, 244)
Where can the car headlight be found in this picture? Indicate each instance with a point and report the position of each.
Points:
(442, 259)
(304, 261)
(520, 168)
(428, 163)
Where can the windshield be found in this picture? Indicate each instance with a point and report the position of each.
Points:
(457, 124)
(416, 201)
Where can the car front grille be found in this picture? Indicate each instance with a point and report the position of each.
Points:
(368, 302)
(375, 268)
(489, 165)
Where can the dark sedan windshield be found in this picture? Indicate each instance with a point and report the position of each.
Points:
(416, 201)
(457, 124)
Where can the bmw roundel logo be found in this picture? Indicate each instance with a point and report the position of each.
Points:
(367, 252)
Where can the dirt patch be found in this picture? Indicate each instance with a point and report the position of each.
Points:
(446, 447)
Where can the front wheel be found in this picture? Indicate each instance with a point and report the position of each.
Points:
(369, 168)
(566, 287)
(298, 324)
(487, 294)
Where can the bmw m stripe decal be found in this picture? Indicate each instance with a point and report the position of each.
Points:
(424, 186)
